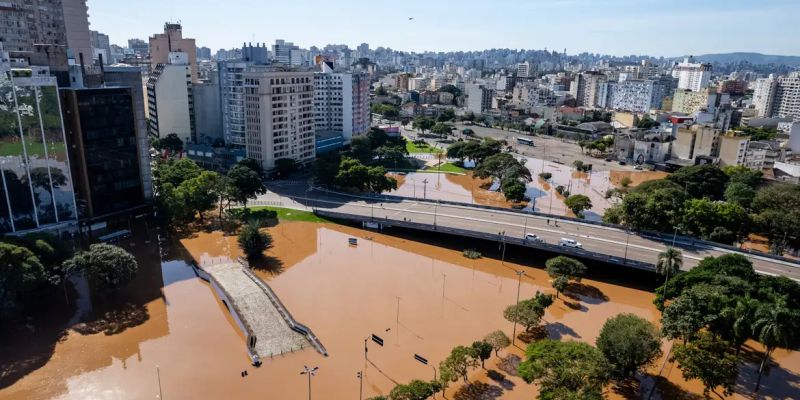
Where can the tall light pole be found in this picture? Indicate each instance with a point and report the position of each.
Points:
(425, 189)
(310, 372)
(435, 213)
(627, 238)
(360, 377)
(519, 284)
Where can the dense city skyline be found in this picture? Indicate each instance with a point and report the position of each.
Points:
(618, 27)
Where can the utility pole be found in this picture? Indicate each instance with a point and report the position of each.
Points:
(425, 189)
(360, 384)
(310, 372)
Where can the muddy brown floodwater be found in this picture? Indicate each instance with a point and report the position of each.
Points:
(420, 298)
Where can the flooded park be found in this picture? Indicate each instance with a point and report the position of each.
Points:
(168, 336)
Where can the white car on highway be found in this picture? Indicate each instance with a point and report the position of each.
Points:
(570, 243)
(530, 237)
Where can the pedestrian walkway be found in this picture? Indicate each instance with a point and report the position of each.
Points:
(254, 306)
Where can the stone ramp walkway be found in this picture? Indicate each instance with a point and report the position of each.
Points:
(258, 313)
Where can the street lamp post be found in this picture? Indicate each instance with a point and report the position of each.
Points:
(435, 213)
(425, 189)
(519, 285)
(309, 372)
(627, 238)
(360, 377)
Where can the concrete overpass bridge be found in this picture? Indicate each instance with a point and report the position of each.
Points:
(602, 242)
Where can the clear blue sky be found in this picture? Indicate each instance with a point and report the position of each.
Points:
(618, 27)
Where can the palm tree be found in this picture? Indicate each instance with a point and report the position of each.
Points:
(744, 314)
(774, 327)
(669, 263)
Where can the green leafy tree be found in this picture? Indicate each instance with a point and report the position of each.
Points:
(361, 149)
(629, 343)
(326, 167)
(529, 313)
(423, 123)
(463, 150)
(483, 350)
(775, 326)
(708, 359)
(171, 143)
(394, 154)
(777, 215)
(498, 340)
(703, 216)
(254, 165)
(740, 193)
(442, 129)
(502, 166)
(174, 172)
(743, 175)
(700, 181)
(560, 284)
(565, 370)
(20, 271)
(106, 264)
(245, 183)
(201, 193)
(565, 266)
(546, 176)
(513, 189)
(668, 264)
(446, 115)
(414, 390)
(577, 203)
(253, 241)
(458, 363)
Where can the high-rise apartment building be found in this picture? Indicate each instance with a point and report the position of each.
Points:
(76, 24)
(764, 95)
(590, 89)
(279, 109)
(207, 110)
(169, 97)
(231, 86)
(479, 98)
(34, 30)
(524, 70)
(102, 136)
(101, 45)
(635, 95)
(171, 41)
(787, 96)
(692, 76)
(258, 54)
(341, 102)
(36, 185)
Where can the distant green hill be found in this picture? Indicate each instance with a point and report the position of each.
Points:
(753, 58)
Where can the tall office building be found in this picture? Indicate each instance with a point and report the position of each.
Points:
(341, 102)
(101, 134)
(36, 191)
(282, 52)
(131, 77)
(692, 76)
(139, 47)
(524, 70)
(231, 86)
(787, 96)
(171, 41)
(169, 97)
(207, 110)
(279, 106)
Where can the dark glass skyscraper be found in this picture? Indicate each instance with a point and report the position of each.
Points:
(101, 133)
(36, 191)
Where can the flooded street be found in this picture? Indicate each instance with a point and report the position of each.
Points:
(421, 298)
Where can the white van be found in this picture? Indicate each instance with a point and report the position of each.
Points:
(570, 243)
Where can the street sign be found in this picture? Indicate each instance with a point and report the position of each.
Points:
(421, 359)
(377, 339)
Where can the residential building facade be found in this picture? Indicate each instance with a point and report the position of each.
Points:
(279, 110)
(171, 41)
(479, 98)
(691, 75)
(170, 102)
(341, 103)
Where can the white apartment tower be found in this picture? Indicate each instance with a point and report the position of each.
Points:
(764, 95)
(231, 86)
(169, 99)
(479, 98)
(787, 96)
(282, 51)
(279, 115)
(524, 70)
(341, 102)
(590, 89)
(692, 76)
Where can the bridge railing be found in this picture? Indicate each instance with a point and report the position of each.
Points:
(488, 236)
(687, 241)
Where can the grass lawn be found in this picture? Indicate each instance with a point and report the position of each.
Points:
(15, 148)
(450, 167)
(424, 148)
(288, 214)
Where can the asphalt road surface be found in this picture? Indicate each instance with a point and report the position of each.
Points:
(600, 239)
